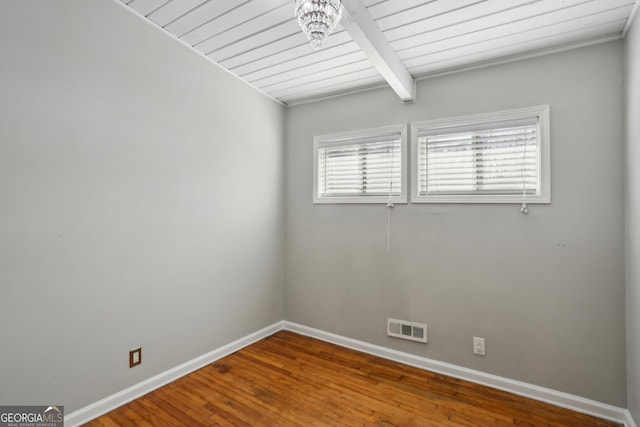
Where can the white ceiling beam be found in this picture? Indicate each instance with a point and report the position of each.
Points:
(365, 32)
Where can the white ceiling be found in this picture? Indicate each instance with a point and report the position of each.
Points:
(385, 41)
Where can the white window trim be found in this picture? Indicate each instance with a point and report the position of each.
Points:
(325, 140)
(544, 159)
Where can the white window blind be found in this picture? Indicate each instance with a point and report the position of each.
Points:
(482, 160)
(502, 160)
(361, 168)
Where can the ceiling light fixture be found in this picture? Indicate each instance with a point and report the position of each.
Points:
(318, 18)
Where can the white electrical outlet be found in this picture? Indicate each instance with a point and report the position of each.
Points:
(478, 346)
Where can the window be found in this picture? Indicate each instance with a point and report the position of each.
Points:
(361, 167)
(491, 158)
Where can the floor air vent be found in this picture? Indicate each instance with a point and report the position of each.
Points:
(407, 330)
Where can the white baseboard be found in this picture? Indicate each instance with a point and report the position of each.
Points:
(557, 398)
(116, 400)
(553, 397)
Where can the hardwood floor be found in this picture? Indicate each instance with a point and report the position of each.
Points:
(292, 380)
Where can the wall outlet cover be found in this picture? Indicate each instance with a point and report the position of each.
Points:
(135, 357)
(478, 346)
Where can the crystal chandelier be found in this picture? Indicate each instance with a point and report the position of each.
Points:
(318, 18)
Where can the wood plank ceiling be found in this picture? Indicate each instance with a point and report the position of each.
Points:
(260, 41)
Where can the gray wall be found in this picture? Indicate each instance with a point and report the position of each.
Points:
(632, 55)
(546, 290)
(139, 203)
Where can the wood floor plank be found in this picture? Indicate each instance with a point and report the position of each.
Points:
(292, 380)
(332, 402)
